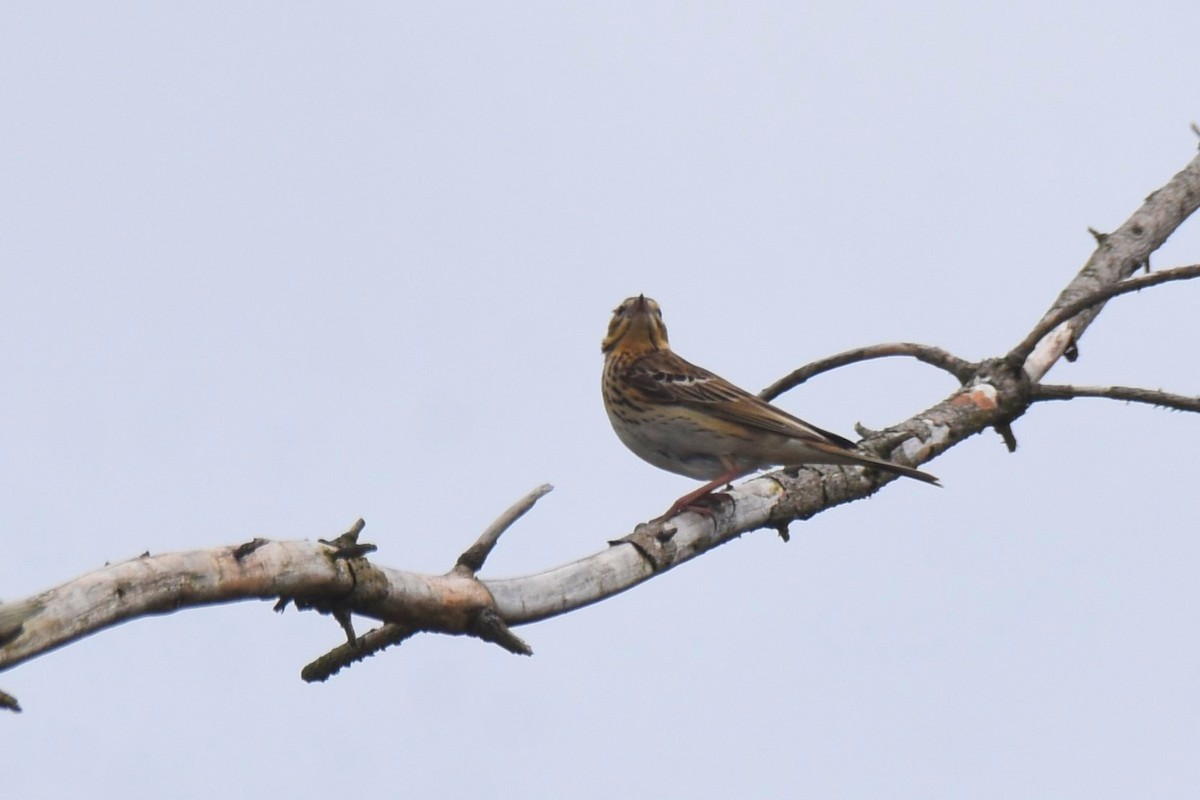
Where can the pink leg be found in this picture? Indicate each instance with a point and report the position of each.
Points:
(689, 499)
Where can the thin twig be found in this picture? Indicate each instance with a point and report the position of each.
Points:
(934, 356)
(368, 644)
(1129, 394)
(472, 560)
(347, 545)
(1021, 352)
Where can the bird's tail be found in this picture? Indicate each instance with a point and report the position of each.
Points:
(843, 456)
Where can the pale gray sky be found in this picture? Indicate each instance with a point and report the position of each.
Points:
(269, 267)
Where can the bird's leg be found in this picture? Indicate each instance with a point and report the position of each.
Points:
(690, 500)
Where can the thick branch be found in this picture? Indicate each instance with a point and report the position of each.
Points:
(306, 572)
(1119, 255)
(13, 617)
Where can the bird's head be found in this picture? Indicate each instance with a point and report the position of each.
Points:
(637, 326)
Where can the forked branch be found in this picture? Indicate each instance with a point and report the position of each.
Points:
(487, 625)
(337, 577)
(1022, 351)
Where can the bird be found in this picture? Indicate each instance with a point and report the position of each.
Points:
(684, 419)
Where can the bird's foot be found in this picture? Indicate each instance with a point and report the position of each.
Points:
(704, 504)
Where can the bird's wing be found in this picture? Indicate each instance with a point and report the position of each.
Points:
(670, 379)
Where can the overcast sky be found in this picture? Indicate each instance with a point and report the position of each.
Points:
(270, 267)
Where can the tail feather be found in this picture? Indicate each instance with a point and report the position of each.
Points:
(843, 456)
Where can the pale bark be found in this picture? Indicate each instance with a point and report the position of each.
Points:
(337, 577)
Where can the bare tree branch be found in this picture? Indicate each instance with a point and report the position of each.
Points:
(1118, 256)
(486, 625)
(307, 573)
(472, 560)
(13, 617)
(934, 356)
(364, 646)
(1152, 397)
(1062, 315)
(338, 579)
